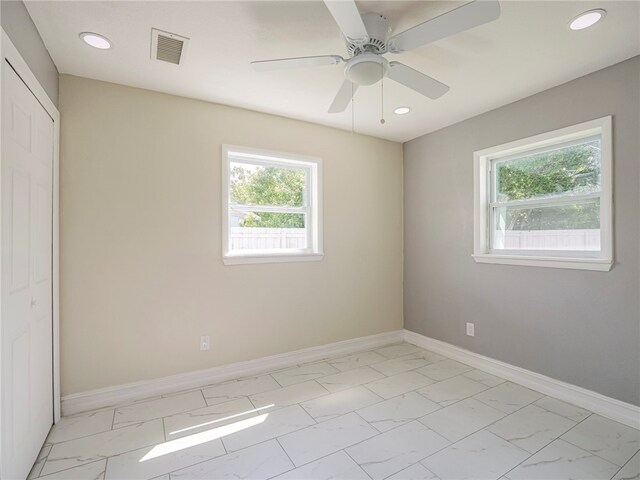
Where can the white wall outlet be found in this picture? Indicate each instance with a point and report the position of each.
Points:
(204, 343)
(471, 331)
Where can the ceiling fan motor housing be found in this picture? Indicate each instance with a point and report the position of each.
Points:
(376, 42)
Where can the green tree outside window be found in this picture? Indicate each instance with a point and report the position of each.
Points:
(269, 186)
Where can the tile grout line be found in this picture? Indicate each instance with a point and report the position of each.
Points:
(417, 390)
(470, 434)
(106, 466)
(44, 460)
(450, 443)
(479, 430)
(593, 453)
(312, 461)
(382, 399)
(153, 444)
(545, 446)
(219, 456)
(354, 460)
(104, 431)
(625, 464)
(399, 426)
(437, 451)
(276, 437)
(288, 456)
(297, 403)
(412, 465)
(75, 466)
(139, 422)
(164, 430)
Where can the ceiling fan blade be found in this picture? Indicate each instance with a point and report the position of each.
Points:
(297, 62)
(347, 16)
(421, 83)
(458, 20)
(343, 97)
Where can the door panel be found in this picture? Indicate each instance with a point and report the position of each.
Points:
(20, 124)
(20, 349)
(42, 234)
(20, 234)
(41, 392)
(26, 332)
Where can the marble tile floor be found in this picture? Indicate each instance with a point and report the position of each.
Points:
(397, 412)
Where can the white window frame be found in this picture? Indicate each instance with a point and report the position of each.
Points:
(312, 210)
(483, 160)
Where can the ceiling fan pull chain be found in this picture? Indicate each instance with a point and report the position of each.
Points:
(382, 95)
(352, 110)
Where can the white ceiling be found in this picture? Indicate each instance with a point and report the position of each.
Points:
(527, 50)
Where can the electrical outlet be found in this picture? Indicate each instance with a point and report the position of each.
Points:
(471, 330)
(204, 343)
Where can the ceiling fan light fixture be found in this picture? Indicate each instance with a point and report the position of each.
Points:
(587, 19)
(95, 40)
(366, 69)
(402, 110)
(365, 73)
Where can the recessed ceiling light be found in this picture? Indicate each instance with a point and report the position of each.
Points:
(95, 40)
(587, 19)
(402, 110)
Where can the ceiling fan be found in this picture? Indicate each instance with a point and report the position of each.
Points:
(368, 38)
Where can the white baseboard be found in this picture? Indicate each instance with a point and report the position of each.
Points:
(602, 405)
(130, 392)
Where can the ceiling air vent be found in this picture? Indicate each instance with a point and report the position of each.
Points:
(168, 47)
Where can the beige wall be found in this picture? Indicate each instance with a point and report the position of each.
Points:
(141, 269)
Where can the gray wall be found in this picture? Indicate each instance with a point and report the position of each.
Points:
(582, 327)
(24, 35)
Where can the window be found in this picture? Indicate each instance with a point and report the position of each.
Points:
(546, 201)
(271, 206)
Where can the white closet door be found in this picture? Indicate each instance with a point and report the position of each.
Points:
(26, 374)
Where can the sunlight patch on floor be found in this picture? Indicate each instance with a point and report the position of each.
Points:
(219, 420)
(202, 437)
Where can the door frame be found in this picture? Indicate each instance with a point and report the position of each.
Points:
(10, 53)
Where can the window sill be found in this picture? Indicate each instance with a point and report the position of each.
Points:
(597, 264)
(271, 258)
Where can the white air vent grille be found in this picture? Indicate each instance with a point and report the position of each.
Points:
(168, 47)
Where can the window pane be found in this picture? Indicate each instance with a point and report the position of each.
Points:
(258, 185)
(267, 231)
(569, 170)
(565, 227)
